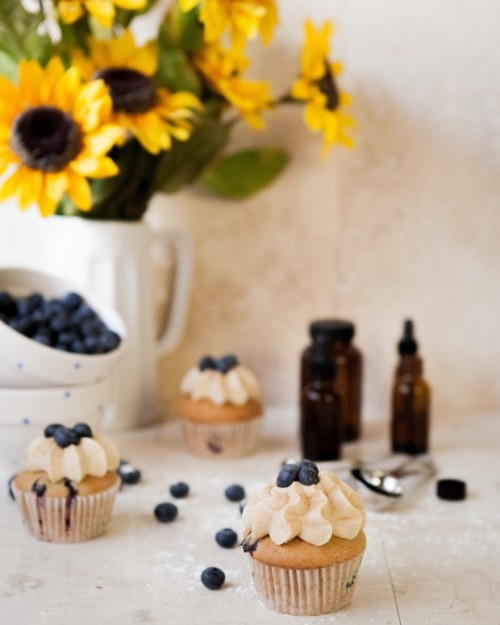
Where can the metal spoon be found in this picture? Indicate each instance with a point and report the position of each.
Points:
(383, 487)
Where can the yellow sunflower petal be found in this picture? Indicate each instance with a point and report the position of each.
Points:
(66, 89)
(79, 191)
(70, 11)
(101, 141)
(10, 186)
(30, 187)
(187, 5)
(93, 105)
(90, 166)
(102, 11)
(52, 75)
(56, 184)
(31, 78)
(131, 5)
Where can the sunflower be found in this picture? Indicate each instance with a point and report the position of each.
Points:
(151, 114)
(103, 11)
(317, 87)
(244, 19)
(222, 71)
(54, 134)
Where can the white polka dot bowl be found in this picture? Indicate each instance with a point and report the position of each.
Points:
(25, 413)
(24, 363)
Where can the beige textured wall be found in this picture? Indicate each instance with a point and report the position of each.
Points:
(407, 224)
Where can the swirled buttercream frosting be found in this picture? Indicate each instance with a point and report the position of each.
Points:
(94, 455)
(315, 513)
(237, 386)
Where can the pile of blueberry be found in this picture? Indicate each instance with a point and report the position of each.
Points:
(64, 437)
(307, 473)
(67, 323)
(222, 364)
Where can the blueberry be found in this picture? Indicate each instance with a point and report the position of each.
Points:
(213, 578)
(309, 463)
(165, 512)
(91, 345)
(24, 325)
(207, 362)
(181, 489)
(52, 307)
(71, 301)
(27, 305)
(43, 337)
(77, 347)
(64, 437)
(65, 339)
(91, 327)
(83, 313)
(226, 538)
(226, 363)
(235, 492)
(9, 486)
(7, 304)
(50, 429)
(128, 474)
(308, 476)
(83, 430)
(109, 340)
(287, 475)
(40, 315)
(59, 322)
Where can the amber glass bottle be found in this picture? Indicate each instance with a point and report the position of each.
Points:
(320, 411)
(336, 336)
(411, 396)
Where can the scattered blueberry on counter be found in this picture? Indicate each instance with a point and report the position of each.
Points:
(165, 512)
(127, 473)
(213, 578)
(68, 323)
(226, 538)
(235, 492)
(179, 490)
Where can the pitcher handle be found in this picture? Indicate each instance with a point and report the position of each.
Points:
(179, 298)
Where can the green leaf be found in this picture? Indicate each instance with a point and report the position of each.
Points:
(176, 72)
(183, 29)
(8, 66)
(243, 173)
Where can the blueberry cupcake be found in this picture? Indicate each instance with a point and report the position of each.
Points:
(220, 408)
(305, 539)
(67, 491)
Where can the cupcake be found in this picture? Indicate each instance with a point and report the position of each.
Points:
(304, 536)
(66, 492)
(220, 408)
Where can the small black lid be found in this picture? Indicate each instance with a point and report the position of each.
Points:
(452, 490)
(332, 329)
(408, 345)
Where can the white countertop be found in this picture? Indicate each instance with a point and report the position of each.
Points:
(427, 560)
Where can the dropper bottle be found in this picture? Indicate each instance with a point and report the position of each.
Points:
(410, 399)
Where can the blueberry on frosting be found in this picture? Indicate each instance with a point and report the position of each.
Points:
(306, 473)
(207, 362)
(83, 430)
(64, 437)
(50, 429)
(288, 474)
(226, 363)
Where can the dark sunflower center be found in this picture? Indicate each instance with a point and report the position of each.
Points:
(328, 87)
(45, 138)
(131, 91)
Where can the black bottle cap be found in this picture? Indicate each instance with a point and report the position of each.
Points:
(332, 330)
(407, 345)
(452, 490)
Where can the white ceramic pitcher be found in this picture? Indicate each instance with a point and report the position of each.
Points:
(113, 261)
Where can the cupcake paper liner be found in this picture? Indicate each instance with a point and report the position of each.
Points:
(66, 519)
(226, 440)
(306, 592)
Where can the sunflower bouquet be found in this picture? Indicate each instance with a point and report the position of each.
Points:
(94, 122)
